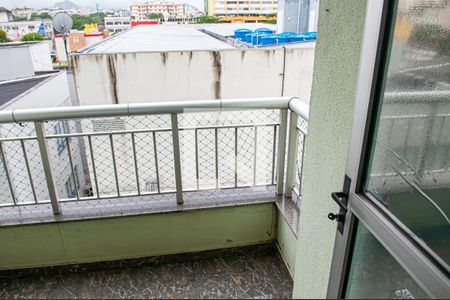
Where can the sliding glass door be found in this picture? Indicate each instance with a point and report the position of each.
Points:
(395, 241)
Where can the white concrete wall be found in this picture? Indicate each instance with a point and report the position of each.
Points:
(60, 51)
(341, 25)
(53, 92)
(15, 62)
(41, 58)
(149, 77)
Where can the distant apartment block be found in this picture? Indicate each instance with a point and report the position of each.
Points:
(239, 11)
(117, 24)
(16, 30)
(5, 15)
(141, 11)
(23, 12)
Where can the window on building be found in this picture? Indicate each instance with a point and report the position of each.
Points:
(60, 128)
(71, 191)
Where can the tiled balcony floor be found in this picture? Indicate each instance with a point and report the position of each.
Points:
(247, 272)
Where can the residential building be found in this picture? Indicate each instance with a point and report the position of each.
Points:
(117, 24)
(16, 30)
(232, 11)
(122, 13)
(141, 11)
(5, 15)
(25, 59)
(23, 12)
(44, 91)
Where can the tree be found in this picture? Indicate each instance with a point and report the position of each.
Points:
(17, 18)
(3, 37)
(79, 21)
(155, 16)
(206, 20)
(271, 18)
(32, 36)
(41, 16)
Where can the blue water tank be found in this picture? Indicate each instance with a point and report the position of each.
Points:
(268, 40)
(296, 38)
(240, 33)
(312, 35)
(248, 38)
(256, 37)
(264, 30)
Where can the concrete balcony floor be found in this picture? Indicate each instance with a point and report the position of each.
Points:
(244, 272)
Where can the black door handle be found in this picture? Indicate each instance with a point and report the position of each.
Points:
(341, 198)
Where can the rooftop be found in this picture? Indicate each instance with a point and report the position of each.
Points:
(11, 89)
(170, 38)
(158, 38)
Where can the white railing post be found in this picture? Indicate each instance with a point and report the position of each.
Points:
(292, 154)
(177, 158)
(43, 150)
(281, 150)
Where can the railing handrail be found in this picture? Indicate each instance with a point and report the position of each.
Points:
(152, 108)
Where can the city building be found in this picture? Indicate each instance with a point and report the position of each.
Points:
(16, 30)
(44, 91)
(141, 11)
(25, 59)
(297, 16)
(122, 13)
(23, 12)
(207, 176)
(117, 24)
(142, 47)
(231, 11)
(5, 15)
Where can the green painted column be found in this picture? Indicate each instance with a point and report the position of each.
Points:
(340, 30)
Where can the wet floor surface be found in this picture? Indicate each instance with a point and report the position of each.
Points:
(249, 272)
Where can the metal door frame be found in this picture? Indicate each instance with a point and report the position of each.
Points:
(428, 270)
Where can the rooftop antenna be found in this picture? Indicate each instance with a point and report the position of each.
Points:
(62, 22)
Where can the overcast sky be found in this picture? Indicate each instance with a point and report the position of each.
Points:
(88, 3)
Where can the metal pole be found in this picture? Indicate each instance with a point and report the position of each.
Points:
(197, 174)
(281, 150)
(300, 175)
(274, 149)
(155, 152)
(43, 150)
(69, 153)
(216, 150)
(292, 155)
(25, 156)
(93, 166)
(8, 177)
(136, 169)
(236, 157)
(255, 150)
(177, 158)
(113, 154)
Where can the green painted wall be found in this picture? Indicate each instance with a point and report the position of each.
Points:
(341, 24)
(287, 243)
(137, 236)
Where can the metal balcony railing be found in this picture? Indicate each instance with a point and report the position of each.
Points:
(80, 153)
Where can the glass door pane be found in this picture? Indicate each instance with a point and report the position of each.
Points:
(374, 273)
(409, 169)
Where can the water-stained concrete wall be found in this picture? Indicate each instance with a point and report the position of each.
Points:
(192, 75)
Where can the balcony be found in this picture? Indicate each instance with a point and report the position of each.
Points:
(196, 176)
